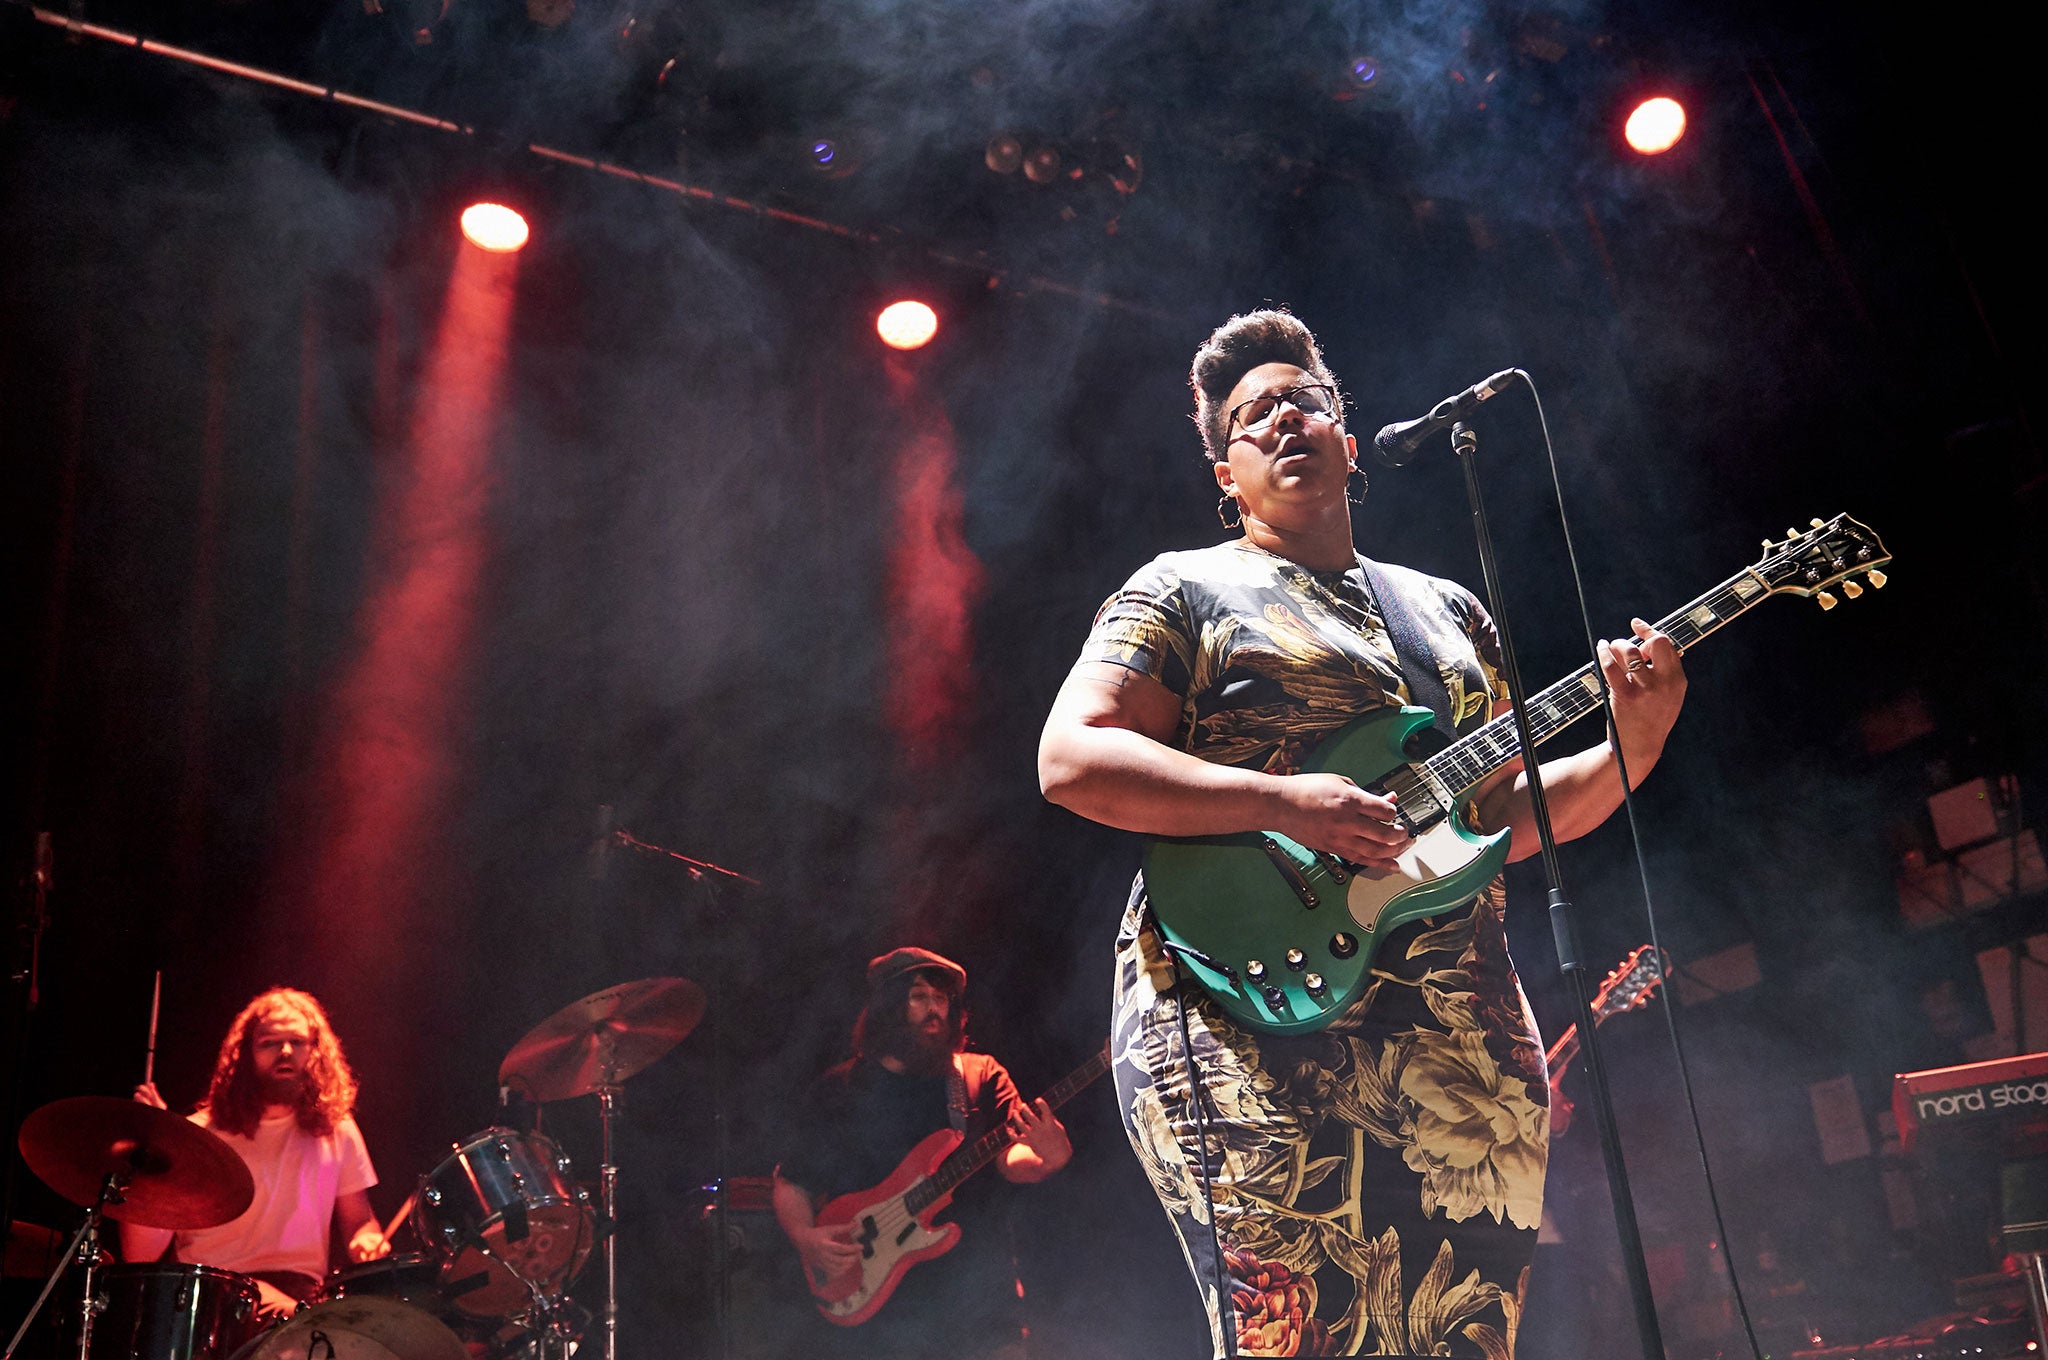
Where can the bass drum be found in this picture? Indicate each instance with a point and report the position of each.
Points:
(168, 1311)
(414, 1278)
(507, 1220)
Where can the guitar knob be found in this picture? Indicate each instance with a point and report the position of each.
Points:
(1342, 945)
(1876, 578)
(1276, 1000)
(1827, 601)
(1255, 970)
(1852, 590)
(1315, 984)
(1296, 960)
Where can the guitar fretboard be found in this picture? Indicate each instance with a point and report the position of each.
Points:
(967, 1160)
(1467, 762)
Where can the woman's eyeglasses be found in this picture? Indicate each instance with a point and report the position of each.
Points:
(1311, 399)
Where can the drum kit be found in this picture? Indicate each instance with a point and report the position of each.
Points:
(504, 1229)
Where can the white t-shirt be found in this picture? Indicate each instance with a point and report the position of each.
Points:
(298, 1178)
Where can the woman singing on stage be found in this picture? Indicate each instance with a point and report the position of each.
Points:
(1371, 1187)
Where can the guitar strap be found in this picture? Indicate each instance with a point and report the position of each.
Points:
(959, 1100)
(1419, 668)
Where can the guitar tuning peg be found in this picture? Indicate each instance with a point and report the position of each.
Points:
(1876, 578)
(1818, 523)
(1791, 534)
(1852, 590)
(1827, 601)
(1767, 545)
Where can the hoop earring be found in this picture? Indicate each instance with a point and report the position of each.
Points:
(1223, 502)
(1357, 479)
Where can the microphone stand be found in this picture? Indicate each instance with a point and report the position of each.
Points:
(709, 877)
(1570, 961)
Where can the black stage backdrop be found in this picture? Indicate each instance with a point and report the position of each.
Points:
(781, 602)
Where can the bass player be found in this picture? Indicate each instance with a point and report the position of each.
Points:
(909, 1078)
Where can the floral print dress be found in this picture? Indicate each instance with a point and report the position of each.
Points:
(1377, 1184)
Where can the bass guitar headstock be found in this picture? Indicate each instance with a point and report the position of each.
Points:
(1831, 552)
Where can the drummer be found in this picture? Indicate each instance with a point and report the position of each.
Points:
(282, 1096)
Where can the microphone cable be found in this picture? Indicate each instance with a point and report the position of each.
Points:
(1628, 802)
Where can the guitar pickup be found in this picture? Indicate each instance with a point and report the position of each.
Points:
(1291, 872)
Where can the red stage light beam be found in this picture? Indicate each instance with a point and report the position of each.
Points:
(391, 755)
(494, 227)
(1655, 126)
(907, 325)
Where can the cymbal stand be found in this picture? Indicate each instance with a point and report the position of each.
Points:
(85, 1246)
(608, 1209)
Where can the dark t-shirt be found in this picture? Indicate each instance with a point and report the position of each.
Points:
(858, 1122)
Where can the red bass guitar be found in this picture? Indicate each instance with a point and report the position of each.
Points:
(892, 1221)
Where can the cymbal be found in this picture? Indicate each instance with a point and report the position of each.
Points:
(31, 1249)
(179, 1175)
(604, 1038)
(364, 1327)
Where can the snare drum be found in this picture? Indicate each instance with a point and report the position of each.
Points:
(412, 1277)
(505, 1215)
(169, 1311)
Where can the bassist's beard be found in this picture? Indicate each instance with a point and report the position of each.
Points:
(924, 1053)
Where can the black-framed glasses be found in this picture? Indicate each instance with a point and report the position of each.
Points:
(1311, 399)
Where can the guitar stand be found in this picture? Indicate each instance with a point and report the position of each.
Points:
(1571, 962)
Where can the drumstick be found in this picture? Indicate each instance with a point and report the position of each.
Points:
(156, 996)
(404, 1212)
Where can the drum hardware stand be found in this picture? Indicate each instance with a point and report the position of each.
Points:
(85, 1247)
(608, 1209)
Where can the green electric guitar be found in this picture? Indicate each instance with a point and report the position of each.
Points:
(1283, 936)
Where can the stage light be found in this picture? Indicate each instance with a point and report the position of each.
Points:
(1003, 154)
(907, 325)
(1364, 71)
(824, 154)
(1655, 126)
(493, 226)
(1042, 166)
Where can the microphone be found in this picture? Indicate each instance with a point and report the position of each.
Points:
(1397, 444)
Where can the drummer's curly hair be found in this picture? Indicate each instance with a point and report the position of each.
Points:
(884, 1026)
(233, 1103)
(1235, 348)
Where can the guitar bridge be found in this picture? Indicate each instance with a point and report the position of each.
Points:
(1291, 872)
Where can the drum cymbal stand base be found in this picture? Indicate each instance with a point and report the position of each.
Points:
(85, 1246)
(547, 1321)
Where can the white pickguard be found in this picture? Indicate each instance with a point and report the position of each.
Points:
(886, 1251)
(1436, 852)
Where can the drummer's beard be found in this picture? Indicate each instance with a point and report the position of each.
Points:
(281, 1088)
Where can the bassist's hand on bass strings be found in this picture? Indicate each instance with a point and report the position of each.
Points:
(827, 1251)
(1330, 813)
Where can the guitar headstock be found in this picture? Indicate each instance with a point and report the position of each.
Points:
(1830, 552)
(1631, 984)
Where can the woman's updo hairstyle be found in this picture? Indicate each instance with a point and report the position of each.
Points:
(1234, 349)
